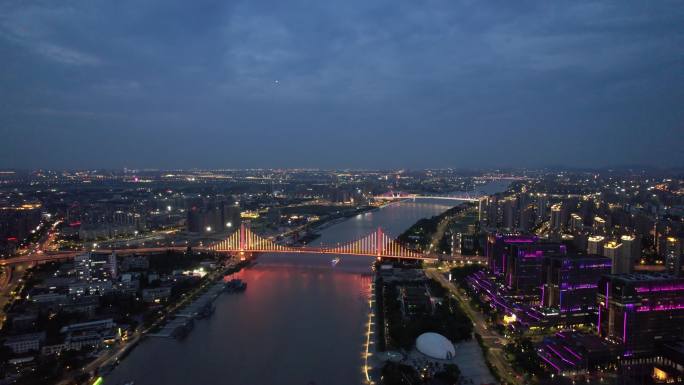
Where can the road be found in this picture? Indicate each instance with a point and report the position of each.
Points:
(10, 279)
(492, 340)
(62, 255)
(439, 234)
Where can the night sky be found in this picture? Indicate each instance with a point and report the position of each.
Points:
(345, 83)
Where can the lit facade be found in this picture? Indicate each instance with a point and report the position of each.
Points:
(571, 281)
(641, 310)
(595, 245)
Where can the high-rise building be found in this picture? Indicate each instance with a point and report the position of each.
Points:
(509, 213)
(640, 311)
(527, 218)
(463, 244)
(524, 265)
(586, 209)
(571, 281)
(542, 207)
(673, 255)
(499, 249)
(595, 245)
(94, 273)
(613, 250)
(599, 225)
(631, 250)
(113, 265)
(492, 212)
(16, 223)
(568, 205)
(580, 241)
(556, 217)
(211, 215)
(482, 209)
(576, 223)
(230, 215)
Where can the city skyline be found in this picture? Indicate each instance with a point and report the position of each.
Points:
(438, 192)
(539, 277)
(390, 85)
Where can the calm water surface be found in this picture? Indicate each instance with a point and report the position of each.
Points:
(300, 322)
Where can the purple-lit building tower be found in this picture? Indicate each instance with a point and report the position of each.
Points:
(499, 249)
(524, 266)
(640, 311)
(571, 281)
(518, 259)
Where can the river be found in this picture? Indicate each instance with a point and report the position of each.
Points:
(300, 321)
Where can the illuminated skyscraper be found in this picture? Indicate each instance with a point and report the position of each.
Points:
(542, 207)
(631, 250)
(599, 225)
(556, 217)
(498, 250)
(509, 213)
(673, 256)
(482, 209)
(595, 245)
(576, 223)
(527, 217)
(570, 281)
(614, 251)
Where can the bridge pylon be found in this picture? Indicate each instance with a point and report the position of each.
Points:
(379, 244)
(243, 237)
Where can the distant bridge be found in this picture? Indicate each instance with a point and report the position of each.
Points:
(398, 195)
(494, 177)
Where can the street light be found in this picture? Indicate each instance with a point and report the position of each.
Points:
(229, 224)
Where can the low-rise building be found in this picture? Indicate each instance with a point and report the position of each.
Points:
(25, 342)
(102, 324)
(135, 263)
(156, 294)
(89, 339)
(48, 350)
(48, 298)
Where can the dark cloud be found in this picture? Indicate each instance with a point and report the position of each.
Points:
(340, 83)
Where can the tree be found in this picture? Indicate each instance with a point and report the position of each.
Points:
(451, 374)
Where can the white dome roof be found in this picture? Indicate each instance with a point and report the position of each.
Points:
(435, 345)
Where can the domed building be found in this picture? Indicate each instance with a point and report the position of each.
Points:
(435, 346)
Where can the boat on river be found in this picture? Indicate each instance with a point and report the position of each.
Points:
(235, 286)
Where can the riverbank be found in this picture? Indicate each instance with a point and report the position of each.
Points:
(106, 363)
(335, 219)
(427, 234)
(307, 233)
